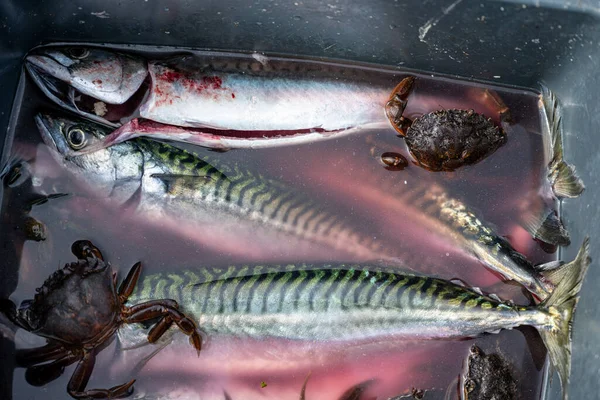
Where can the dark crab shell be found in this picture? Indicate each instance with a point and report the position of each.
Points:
(75, 303)
(489, 376)
(447, 139)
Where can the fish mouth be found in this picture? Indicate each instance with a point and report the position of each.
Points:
(51, 134)
(109, 77)
(52, 87)
(49, 63)
(60, 92)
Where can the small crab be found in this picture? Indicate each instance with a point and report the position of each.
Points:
(78, 310)
(487, 377)
(444, 140)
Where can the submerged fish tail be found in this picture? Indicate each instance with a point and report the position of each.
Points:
(546, 226)
(562, 176)
(561, 306)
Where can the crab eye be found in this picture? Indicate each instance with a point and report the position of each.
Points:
(78, 53)
(77, 138)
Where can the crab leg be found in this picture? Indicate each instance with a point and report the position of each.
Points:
(39, 375)
(160, 308)
(8, 308)
(81, 377)
(29, 357)
(126, 289)
(159, 329)
(128, 285)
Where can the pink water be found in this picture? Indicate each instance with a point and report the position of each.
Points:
(343, 174)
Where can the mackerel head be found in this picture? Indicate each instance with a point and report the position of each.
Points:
(82, 79)
(99, 171)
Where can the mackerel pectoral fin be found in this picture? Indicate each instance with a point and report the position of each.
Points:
(561, 306)
(133, 202)
(562, 176)
(161, 345)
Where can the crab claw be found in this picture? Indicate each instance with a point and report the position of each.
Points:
(395, 106)
(84, 249)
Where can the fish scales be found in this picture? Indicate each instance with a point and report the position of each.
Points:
(251, 195)
(345, 302)
(185, 95)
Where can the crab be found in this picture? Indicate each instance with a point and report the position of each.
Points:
(78, 309)
(487, 376)
(445, 140)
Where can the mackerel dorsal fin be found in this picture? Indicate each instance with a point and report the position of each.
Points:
(562, 176)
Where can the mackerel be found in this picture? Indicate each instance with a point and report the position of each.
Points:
(236, 211)
(451, 224)
(355, 304)
(246, 103)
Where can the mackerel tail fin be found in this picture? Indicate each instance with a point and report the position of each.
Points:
(561, 306)
(546, 226)
(562, 176)
(564, 179)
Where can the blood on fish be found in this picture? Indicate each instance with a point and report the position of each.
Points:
(232, 96)
(97, 82)
(206, 83)
(213, 81)
(171, 76)
(163, 97)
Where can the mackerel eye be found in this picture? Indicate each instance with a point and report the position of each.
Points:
(77, 138)
(78, 53)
